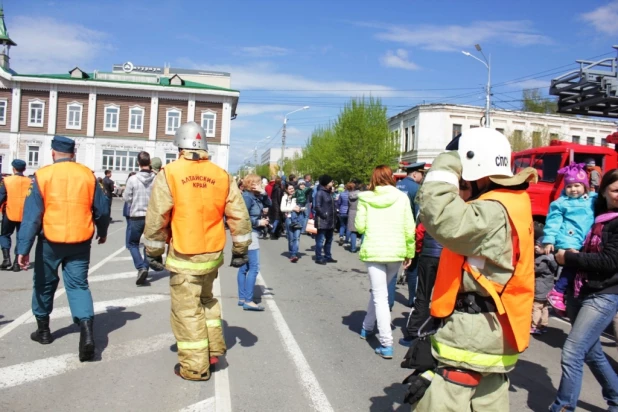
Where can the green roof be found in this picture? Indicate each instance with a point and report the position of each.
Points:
(163, 81)
(4, 34)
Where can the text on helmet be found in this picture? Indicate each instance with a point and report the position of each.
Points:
(502, 161)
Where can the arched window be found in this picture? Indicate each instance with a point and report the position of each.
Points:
(172, 120)
(74, 115)
(209, 122)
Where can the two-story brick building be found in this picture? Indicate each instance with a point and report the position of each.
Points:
(112, 116)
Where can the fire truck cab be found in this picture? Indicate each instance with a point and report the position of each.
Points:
(548, 160)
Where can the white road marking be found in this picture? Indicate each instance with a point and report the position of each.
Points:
(123, 258)
(223, 397)
(206, 405)
(26, 372)
(112, 276)
(106, 306)
(307, 377)
(24, 317)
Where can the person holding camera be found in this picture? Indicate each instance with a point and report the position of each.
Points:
(293, 220)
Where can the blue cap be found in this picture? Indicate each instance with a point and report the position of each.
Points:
(63, 144)
(415, 166)
(19, 165)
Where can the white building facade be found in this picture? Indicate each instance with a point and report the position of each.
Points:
(425, 130)
(272, 156)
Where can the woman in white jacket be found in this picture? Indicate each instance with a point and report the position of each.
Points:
(290, 209)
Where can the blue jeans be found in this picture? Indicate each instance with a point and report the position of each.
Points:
(304, 217)
(247, 275)
(412, 278)
(343, 226)
(136, 229)
(593, 314)
(352, 237)
(392, 290)
(293, 238)
(274, 229)
(323, 242)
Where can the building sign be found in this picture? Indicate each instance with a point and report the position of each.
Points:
(129, 67)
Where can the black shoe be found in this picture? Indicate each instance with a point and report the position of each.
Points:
(42, 334)
(156, 263)
(341, 242)
(320, 261)
(331, 260)
(16, 267)
(142, 274)
(86, 341)
(6, 262)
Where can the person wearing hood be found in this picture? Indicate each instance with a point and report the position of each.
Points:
(137, 196)
(353, 207)
(325, 221)
(385, 217)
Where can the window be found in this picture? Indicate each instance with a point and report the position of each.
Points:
(121, 160)
(172, 121)
(136, 120)
(35, 113)
(537, 139)
(33, 156)
(500, 130)
(74, 116)
(604, 142)
(575, 139)
(456, 130)
(521, 163)
(209, 120)
(547, 166)
(406, 142)
(3, 105)
(170, 157)
(590, 141)
(553, 136)
(112, 113)
(412, 137)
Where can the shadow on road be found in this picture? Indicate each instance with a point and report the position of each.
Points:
(104, 324)
(554, 337)
(2, 322)
(393, 395)
(260, 291)
(235, 334)
(299, 254)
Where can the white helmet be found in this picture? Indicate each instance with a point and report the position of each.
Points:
(191, 136)
(484, 152)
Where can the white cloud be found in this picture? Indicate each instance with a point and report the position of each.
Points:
(263, 51)
(46, 45)
(252, 109)
(532, 84)
(604, 18)
(398, 59)
(455, 37)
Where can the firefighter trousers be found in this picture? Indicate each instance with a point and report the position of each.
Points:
(196, 323)
(491, 395)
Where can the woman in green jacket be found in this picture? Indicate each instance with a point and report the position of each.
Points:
(385, 217)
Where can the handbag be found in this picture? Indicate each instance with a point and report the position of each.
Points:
(311, 227)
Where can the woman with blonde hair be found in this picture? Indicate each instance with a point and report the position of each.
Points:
(256, 199)
(384, 216)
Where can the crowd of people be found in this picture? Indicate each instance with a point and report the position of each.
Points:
(482, 276)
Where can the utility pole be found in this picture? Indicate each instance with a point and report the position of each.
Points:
(487, 63)
(285, 121)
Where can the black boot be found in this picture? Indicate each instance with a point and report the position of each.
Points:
(6, 262)
(86, 341)
(42, 334)
(16, 267)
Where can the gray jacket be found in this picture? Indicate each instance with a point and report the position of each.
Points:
(137, 192)
(353, 206)
(545, 268)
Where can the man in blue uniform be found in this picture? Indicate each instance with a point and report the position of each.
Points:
(13, 191)
(409, 185)
(66, 202)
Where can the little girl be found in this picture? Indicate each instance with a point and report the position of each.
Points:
(568, 222)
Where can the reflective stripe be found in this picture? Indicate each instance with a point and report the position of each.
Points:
(185, 264)
(472, 358)
(193, 345)
(213, 323)
(154, 243)
(242, 238)
(442, 176)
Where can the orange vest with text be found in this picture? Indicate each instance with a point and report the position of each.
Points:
(67, 189)
(16, 191)
(199, 190)
(514, 299)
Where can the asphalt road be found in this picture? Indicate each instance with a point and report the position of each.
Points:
(302, 354)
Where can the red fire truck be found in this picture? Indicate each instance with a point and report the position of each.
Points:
(549, 159)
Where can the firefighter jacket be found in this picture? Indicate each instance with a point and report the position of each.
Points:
(13, 191)
(480, 231)
(189, 200)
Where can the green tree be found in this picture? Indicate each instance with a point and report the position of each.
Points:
(519, 141)
(263, 170)
(532, 101)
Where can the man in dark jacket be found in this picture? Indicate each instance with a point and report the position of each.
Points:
(274, 212)
(108, 185)
(325, 221)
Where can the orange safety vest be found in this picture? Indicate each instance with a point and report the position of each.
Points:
(67, 189)
(199, 190)
(16, 191)
(514, 299)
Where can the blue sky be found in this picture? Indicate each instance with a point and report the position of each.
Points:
(283, 55)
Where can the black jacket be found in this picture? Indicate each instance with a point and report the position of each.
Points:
(274, 212)
(602, 268)
(108, 185)
(324, 209)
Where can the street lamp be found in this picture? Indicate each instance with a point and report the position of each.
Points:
(285, 122)
(486, 63)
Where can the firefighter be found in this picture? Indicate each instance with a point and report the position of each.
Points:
(189, 199)
(13, 190)
(485, 283)
(65, 201)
